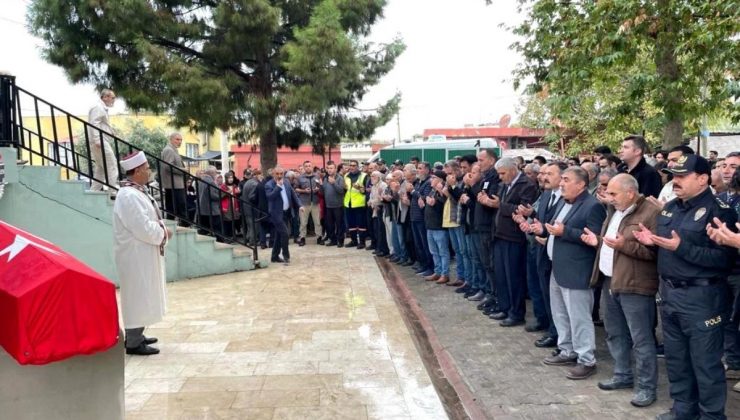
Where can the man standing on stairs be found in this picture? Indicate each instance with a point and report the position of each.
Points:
(139, 236)
(173, 181)
(105, 165)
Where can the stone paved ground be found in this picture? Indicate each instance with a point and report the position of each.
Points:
(320, 338)
(504, 370)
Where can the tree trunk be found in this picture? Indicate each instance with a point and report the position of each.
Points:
(666, 64)
(268, 145)
(266, 115)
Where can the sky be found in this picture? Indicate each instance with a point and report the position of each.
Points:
(456, 69)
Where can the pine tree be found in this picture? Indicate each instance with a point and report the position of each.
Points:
(279, 70)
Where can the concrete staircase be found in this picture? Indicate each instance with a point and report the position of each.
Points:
(80, 222)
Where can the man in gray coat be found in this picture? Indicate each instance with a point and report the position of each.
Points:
(209, 203)
(333, 189)
(172, 180)
(248, 204)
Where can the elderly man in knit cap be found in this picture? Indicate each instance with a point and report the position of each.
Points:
(139, 240)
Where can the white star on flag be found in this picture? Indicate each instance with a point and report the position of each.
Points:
(19, 244)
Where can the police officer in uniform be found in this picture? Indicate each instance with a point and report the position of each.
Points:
(693, 274)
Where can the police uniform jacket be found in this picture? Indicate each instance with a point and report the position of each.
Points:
(697, 256)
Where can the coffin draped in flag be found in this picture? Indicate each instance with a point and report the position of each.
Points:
(52, 306)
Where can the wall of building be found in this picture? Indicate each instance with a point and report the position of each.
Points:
(79, 388)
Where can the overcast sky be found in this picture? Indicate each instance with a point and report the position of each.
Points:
(456, 69)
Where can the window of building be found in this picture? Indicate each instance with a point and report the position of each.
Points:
(191, 150)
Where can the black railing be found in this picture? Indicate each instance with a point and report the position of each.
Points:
(68, 144)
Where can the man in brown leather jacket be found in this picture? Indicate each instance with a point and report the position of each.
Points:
(631, 282)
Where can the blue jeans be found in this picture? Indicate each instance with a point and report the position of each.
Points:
(439, 246)
(533, 286)
(485, 255)
(629, 322)
(457, 238)
(477, 274)
(399, 244)
(424, 256)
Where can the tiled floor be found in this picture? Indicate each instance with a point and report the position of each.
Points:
(318, 339)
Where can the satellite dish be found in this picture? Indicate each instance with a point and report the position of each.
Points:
(504, 121)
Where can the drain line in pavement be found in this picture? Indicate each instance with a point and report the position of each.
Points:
(456, 398)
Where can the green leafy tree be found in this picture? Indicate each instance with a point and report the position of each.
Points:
(655, 66)
(272, 69)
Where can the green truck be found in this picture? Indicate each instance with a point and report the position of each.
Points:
(435, 149)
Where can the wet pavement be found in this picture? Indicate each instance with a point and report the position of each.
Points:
(319, 338)
(501, 371)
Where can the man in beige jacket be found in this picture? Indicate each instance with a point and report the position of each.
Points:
(172, 180)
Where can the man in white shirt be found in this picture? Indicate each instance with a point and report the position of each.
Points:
(105, 168)
(630, 284)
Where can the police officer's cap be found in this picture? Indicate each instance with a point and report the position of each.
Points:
(398, 162)
(380, 162)
(687, 164)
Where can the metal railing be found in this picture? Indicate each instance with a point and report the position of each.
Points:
(66, 141)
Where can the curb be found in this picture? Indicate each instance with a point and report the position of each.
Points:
(457, 399)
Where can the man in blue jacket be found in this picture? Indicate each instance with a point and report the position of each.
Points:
(281, 201)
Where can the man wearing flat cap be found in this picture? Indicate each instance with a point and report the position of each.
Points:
(139, 236)
(693, 274)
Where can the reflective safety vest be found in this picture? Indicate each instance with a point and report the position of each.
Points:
(352, 198)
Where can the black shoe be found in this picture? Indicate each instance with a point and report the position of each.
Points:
(332, 243)
(393, 259)
(370, 248)
(545, 342)
(380, 254)
(508, 322)
(612, 383)
(352, 244)
(487, 299)
(302, 242)
(320, 241)
(361, 245)
(470, 293)
(142, 350)
(660, 350)
(277, 260)
(287, 261)
(534, 327)
(499, 316)
(463, 289)
(150, 340)
(263, 246)
(296, 241)
(340, 245)
(489, 310)
(408, 263)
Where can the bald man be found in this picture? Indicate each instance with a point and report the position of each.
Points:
(631, 279)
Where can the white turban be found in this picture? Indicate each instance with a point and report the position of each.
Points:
(133, 162)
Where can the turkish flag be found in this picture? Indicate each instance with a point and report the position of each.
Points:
(52, 306)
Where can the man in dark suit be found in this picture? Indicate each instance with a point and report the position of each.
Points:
(545, 213)
(510, 243)
(282, 200)
(571, 299)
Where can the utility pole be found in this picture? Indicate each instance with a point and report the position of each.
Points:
(398, 126)
(224, 151)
